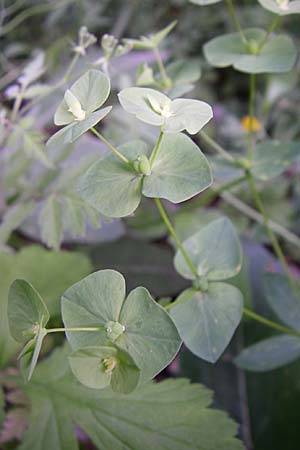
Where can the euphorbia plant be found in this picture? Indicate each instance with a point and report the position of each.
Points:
(118, 341)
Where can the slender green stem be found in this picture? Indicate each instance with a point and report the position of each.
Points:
(173, 233)
(111, 147)
(180, 299)
(69, 69)
(235, 20)
(274, 241)
(17, 105)
(156, 148)
(67, 330)
(251, 116)
(270, 30)
(269, 323)
(166, 79)
(215, 146)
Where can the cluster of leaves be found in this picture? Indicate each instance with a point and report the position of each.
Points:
(118, 342)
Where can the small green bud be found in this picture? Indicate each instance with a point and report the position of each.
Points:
(244, 163)
(142, 165)
(114, 330)
(201, 284)
(253, 47)
(108, 44)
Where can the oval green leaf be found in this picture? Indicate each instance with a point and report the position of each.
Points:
(215, 251)
(277, 55)
(207, 320)
(281, 7)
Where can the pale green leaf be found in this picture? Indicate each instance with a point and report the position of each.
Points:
(111, 186)
(173, 414)
(76, 129)
(270, 353)
(14, 217)
(271, 158)
(179, 171)
(25, 310)
(173, 116)
(281, 7)
(204, 2)
(148, 334)
(281, 299)
(215, 251)
(50, 222)
(278, 54)
(91, 90)
(90, 365)
(207, 320)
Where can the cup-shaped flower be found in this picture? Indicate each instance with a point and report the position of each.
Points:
(79, 109)
(157, 109)
(99, 367)
(281, 7)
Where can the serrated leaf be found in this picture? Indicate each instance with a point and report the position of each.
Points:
(179, 171)
(91, 367)
(173, 116)
(50, 222)
(270, 353)
(215, 251)
(114, 421)
(277, 55)
(148, 334)
(14, 217)
(281, 299)
(74, 130)
(207, 320)
(25, 310)
(271, 158)
(281, 7)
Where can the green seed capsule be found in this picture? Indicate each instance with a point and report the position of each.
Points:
(253, 46)
(145, 167)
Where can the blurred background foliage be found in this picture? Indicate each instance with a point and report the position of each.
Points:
(266, 405)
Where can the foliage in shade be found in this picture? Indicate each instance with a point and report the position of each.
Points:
(270, 354)
(205, 2)
(122, 421)
(277, 55)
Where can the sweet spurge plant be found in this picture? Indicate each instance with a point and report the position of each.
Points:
(119, 339)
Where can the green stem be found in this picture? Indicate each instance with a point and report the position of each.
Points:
(66, 330)
(166, 79)
(112, 148)
(270, 30)
(251, 116)
(235, 20)
(269, 323)
(156, 148)
(272, 236)
(175, 237)
(181, 299)
(215, 146)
